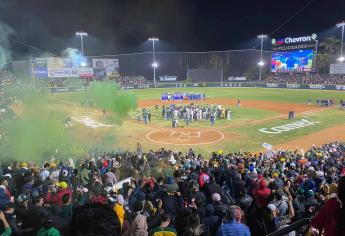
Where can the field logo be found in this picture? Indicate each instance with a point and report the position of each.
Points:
(185, 135)
(288, 127)
(87, 121)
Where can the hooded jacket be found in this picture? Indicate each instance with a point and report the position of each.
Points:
(262, 193)
(138, 226)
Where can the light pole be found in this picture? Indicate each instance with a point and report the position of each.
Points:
(341, 25)
(81, 34)
(154, 64)
(261, 62)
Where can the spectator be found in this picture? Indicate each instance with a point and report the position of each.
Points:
(94, 220)
(55, 196)
(231, 227)
(261, 193)
(164, 228)
(7, 229)
(219, 207)
(330, 216)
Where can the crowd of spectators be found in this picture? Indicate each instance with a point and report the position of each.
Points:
(306, 79)
(173, 193)
(130, 81)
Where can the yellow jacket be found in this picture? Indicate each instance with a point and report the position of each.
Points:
(120, 212)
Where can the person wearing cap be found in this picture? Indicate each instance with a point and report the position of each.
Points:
(210, 188)
(231, 227)
(218, 205)
(311, 205)
(262, 219)
(20, 174)
(55, 197)
(172, 200)
(261, 193)
(211, 221)
(245, 200)
(277, 182)
(67, 207)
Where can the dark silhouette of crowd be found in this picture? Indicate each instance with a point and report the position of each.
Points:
(306, 79)
(174, 193)
(127, 81)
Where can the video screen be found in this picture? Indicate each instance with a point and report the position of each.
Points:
(298, 61)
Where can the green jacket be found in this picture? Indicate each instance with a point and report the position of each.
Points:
(48, 232)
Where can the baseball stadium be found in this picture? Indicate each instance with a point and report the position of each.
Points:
(256, 120)
(153, 129)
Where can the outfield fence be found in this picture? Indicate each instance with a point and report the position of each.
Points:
(211, 85)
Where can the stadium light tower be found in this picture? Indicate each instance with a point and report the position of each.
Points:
(154, 64)
(261, 63)
(341, 25)
(81, 34)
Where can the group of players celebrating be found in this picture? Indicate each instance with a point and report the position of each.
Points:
(194, 113)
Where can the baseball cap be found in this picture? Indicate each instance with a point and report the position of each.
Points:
(62, 185)
(216, 197)
(22, 198)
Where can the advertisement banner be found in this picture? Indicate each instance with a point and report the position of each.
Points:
(55, 62)
(62, 73)
(85, 72)
(111, 65)
(236, 78)
(100, 73)
(338, 68)
(294, 43)
(167, 78)
(39, 66)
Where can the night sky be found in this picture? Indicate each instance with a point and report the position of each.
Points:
(123, 26)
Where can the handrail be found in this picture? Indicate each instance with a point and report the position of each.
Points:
(291, 227)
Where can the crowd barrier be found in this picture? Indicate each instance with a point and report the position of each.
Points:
(212, 85)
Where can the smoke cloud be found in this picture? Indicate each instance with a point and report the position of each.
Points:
(37, 131)
(5, 52)
(75, 56)
(111, 98)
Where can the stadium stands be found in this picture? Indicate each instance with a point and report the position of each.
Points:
(147, 193)
(306, 79)
(127, 81)
(172, 191)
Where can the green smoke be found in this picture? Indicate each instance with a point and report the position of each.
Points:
(37, 132)
(111, 98)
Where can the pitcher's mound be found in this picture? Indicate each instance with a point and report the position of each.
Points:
(185, 136)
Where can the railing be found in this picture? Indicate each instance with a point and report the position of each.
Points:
(292, 227)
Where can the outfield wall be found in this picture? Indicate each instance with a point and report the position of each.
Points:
(212, 85)
(244, 85)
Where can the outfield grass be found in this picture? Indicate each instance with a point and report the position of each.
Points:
(244, 136)
(262, 94)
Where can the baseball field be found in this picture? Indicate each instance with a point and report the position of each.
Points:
(261, 118)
